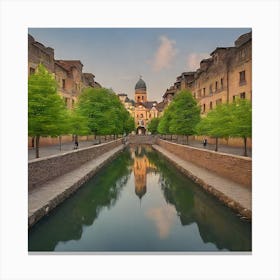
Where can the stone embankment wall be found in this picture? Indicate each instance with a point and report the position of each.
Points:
(235, 168)
(45, 169)
(142, 139)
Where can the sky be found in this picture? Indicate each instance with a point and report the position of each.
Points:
(118, 56)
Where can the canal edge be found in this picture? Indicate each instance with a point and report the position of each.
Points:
(45, 209)
(226, 200)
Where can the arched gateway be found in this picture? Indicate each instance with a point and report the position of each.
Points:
(141, 130)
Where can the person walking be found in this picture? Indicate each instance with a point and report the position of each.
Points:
(204, 142)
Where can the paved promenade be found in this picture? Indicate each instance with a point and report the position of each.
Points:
(55, 149)
(232, 194)
(49, 195)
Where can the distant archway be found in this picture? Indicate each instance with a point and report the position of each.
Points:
(141, 130)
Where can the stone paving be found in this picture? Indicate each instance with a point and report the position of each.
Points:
(232, 194)
(41, 200)
(55, 149)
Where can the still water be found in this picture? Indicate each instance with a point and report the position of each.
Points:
(140, 202)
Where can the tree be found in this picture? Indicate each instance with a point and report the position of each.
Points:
(164, 121)
(129, 124)
(153, 125)
(228, 120)
(47, 114)
(242, 120)
(104, 112)
(185, 114)
(217, 123)
(78, 124)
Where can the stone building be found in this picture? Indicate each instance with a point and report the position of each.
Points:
(68, 73)
(144, 110)
(140, 108)
(222, 78)
(69, 76)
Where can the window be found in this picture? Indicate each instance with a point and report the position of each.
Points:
(65, 101)
(242, 77)
(203, 92)
(142, 97)
(233, 98)
(63, 83)
(138, 98)
(203, 110)
(216, 86)
(72, 103)
(211, 105)
(242, 95)
(31, 71)
(222, 83)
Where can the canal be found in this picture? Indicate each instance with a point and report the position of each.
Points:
(140, 202)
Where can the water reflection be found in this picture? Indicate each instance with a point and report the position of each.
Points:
(216, 223)
(164, 218)
(174, 213)
(67, 221)
(141, 167)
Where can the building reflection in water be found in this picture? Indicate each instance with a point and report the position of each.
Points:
(141, 167)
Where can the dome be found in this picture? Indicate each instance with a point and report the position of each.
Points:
(140, 84)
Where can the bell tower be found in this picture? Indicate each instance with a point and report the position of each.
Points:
(140, 91)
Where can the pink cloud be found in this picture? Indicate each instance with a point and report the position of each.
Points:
(165, 54)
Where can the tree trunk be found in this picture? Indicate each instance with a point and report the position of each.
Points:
(37, 139)
(216, 148)
(32, 142)
(187, 139)
(60, 142)
(245, 146)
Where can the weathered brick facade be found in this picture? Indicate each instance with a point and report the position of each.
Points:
(226, 75)
(68, 73)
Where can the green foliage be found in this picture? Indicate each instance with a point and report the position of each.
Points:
(228, 120)
(78, 123)
(164, 122)
(103, 111)
(181, 116)
(185, 114)
(153, 125)
(242, 118)
(129, 124)
(47, 114)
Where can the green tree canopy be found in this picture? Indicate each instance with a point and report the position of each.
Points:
(47, 114)
(228, 120)
(185, 114)
(181, 116)
(104, 112)
(153, 125)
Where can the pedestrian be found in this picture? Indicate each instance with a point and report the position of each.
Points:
(204, 142)
(76, 145)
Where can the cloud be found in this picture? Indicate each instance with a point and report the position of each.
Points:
(193, 60)
(164, 54)
(163, 218)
